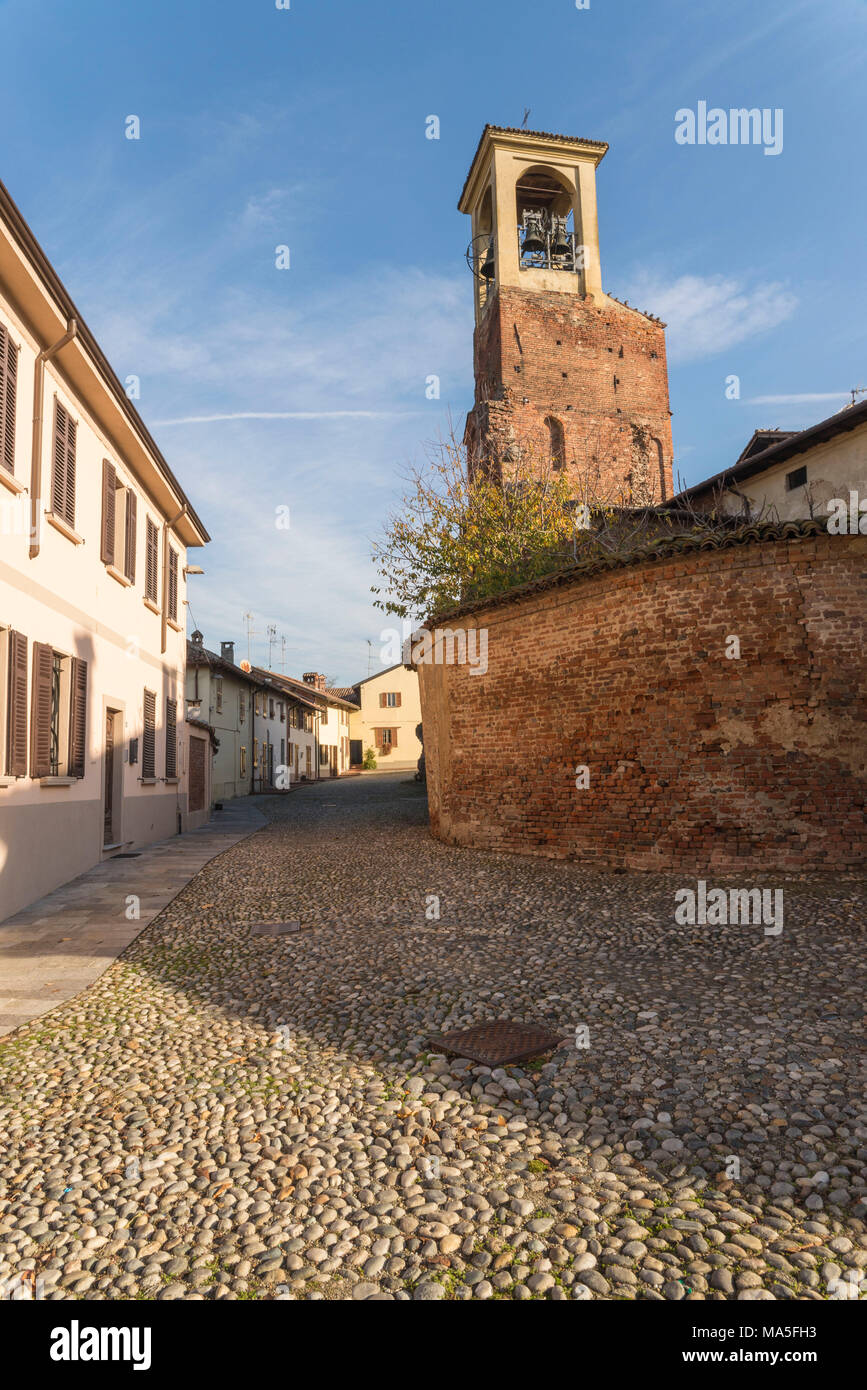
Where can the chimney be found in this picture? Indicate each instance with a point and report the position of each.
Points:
(227, 651)
(198, 638)
(315, 679)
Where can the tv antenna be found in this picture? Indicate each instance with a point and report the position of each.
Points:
(251, 633)
(272, 638)
(527, 110)
(857, 391)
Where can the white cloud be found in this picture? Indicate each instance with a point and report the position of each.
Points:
(707, 315)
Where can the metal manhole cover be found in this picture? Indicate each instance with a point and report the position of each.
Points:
(497, 1043)
(274, 928)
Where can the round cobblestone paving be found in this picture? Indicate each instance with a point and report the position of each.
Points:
(229, 1115)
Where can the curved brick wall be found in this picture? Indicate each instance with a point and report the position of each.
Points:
(696, 761)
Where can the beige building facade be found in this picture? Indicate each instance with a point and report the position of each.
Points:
(791, 475)
(387, 714)
(94, 532)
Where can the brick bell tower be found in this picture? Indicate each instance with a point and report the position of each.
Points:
(563, 371)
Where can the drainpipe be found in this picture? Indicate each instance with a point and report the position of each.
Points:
(36, 456)
(167, 527)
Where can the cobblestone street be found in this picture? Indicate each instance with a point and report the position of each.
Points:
(229, 1115)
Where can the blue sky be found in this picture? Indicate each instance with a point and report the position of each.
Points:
(306, 127)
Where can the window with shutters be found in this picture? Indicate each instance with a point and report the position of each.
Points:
(8, 383)
(386, 739)
(129, 524)
(149, 736)
(324, 719)
(118, 528)
(58, 714)
(109, 513)
(63, 465)
(171, 738)
(152, 561)
(389, 699)
(173, 585)
(13, 703)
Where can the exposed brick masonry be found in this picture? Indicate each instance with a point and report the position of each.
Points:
(697, 762)
(600, 370)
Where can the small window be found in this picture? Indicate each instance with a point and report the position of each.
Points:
(325, 715)
(796, 479)
(242, 705)
(271, 709)
(218, 694)
(391, 699)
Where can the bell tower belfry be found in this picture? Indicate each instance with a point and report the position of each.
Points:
(564, 373)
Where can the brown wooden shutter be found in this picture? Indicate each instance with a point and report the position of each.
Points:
(394, 738)
(16, 727)
(109, 503)
(397, 701)
(148, 753)
(71, 434)
(8, 382)
(151, 561)
(173, 585)
(129, 549)
(77, 716)
(63, 465)
(58, 461)
(383, 699)
(171, 738)
(40, 711)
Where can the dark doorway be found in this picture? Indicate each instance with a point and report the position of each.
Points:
(356, 752)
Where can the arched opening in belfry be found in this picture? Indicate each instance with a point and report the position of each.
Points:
(483, 248)
(556, 443)
(546, 221)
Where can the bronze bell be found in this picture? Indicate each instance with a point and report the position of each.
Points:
(534, 232)
(561, 244)
(487, 271)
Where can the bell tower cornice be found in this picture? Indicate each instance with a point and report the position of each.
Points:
(537, 145)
